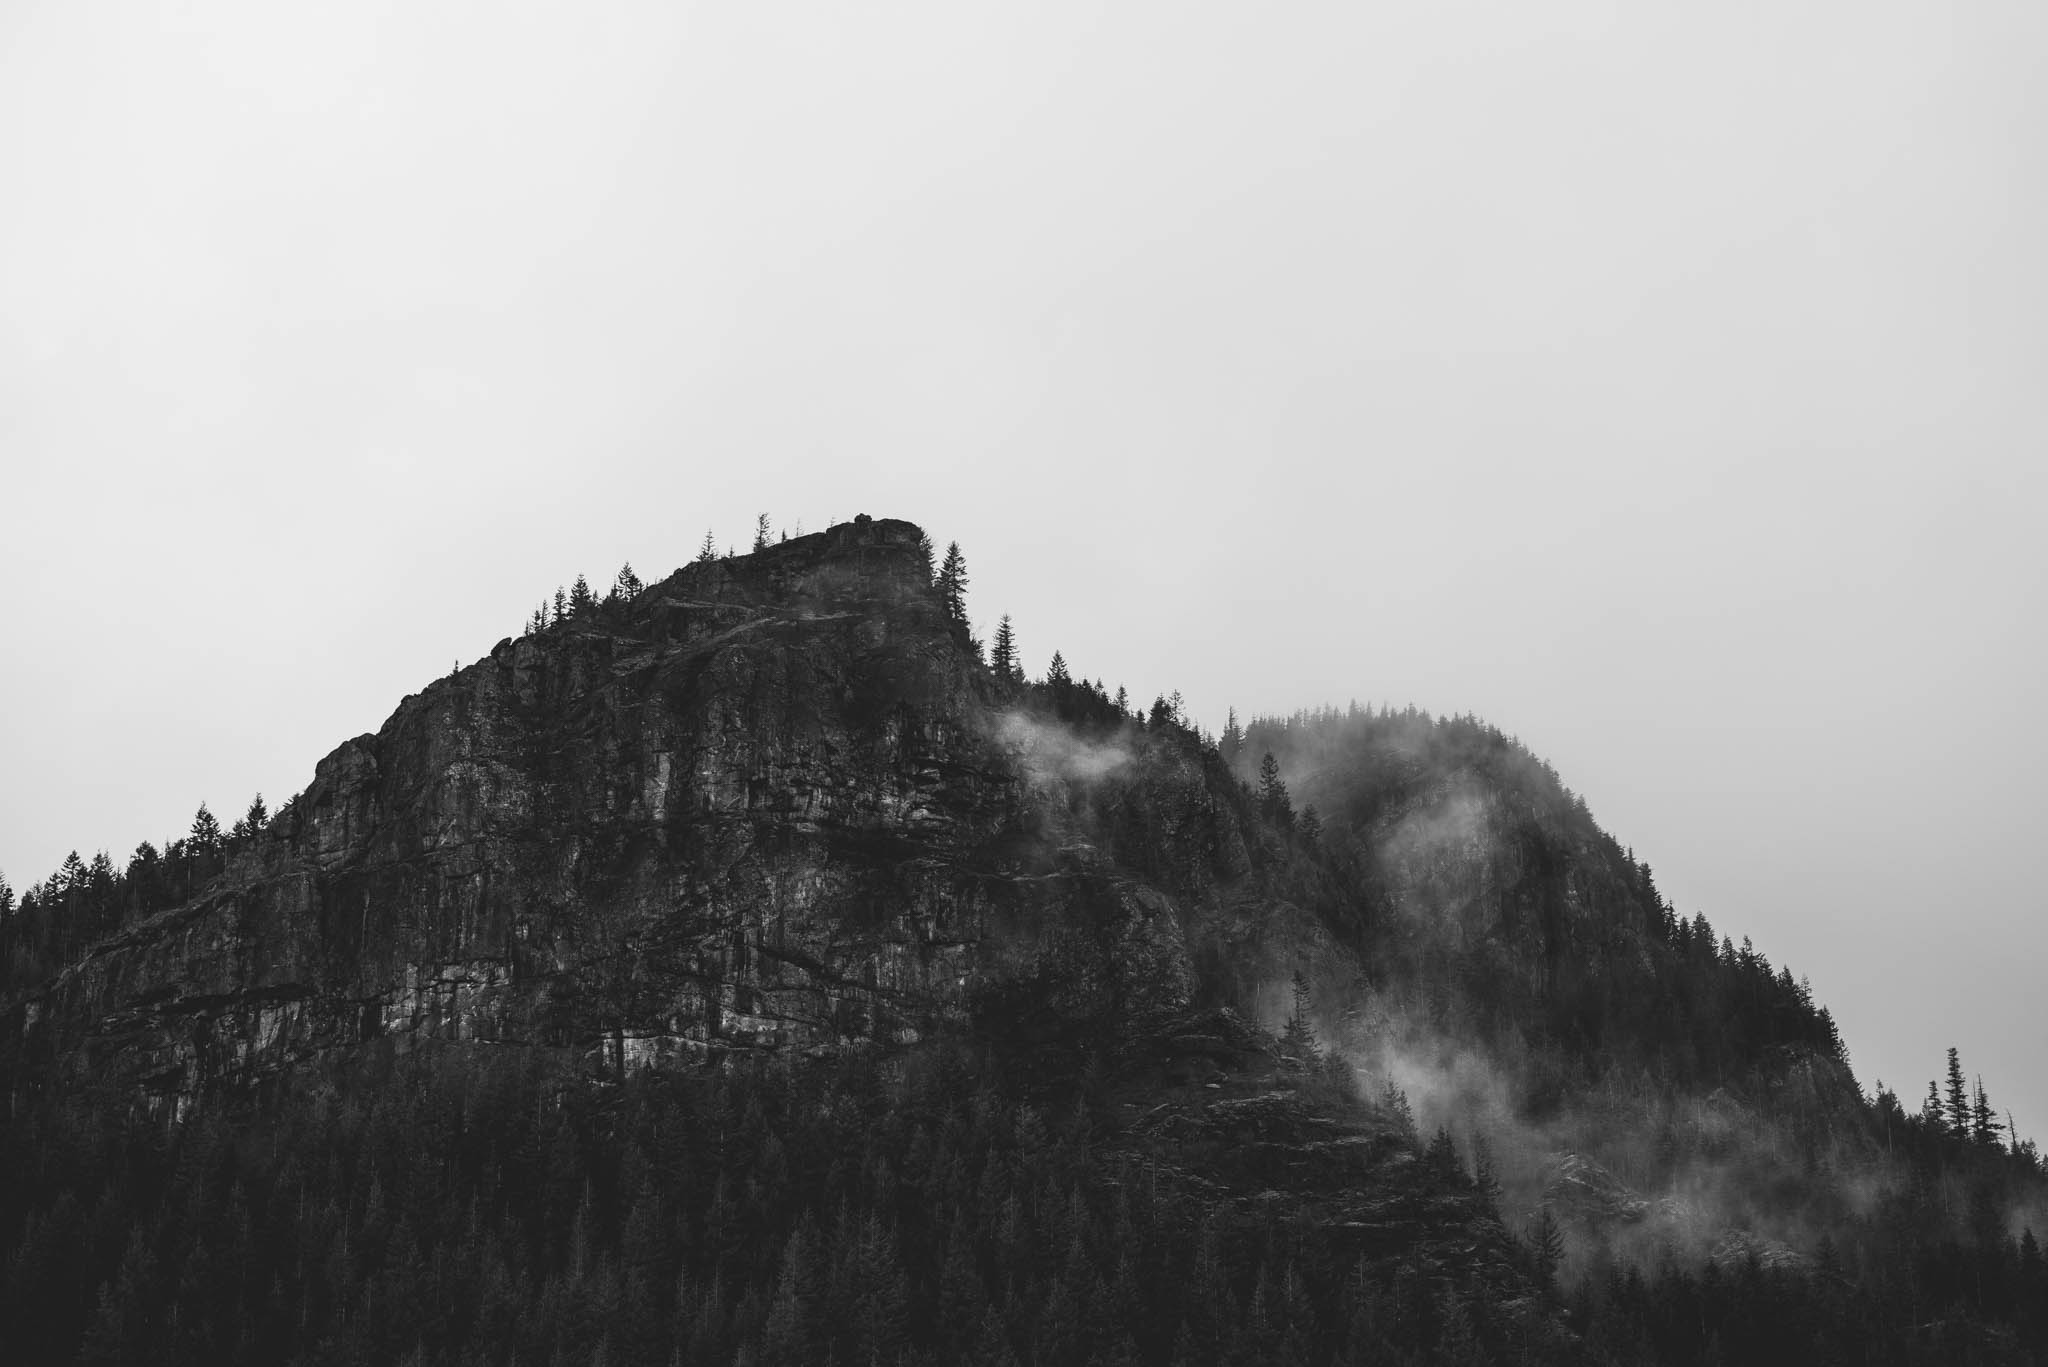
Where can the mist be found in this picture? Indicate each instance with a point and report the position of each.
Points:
(1660, 383)
(1780, 1161)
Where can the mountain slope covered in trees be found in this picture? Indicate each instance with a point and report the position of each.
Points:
(742, 968)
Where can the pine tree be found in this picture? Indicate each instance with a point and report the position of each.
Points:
(627, 586)
(1233, 740)
(761, 533)
(1958, 1109)
(205, 837)
(1484, 1179)
(953, 584)
(6, 899)
(252, 821)
(1274, 804)
(1985, 1126)
(1442, 1154)
(1003, 657)
(707, 552)
(580, 599)
(1056, 673)
(561, 605)
(1311, 829)
(1394, 1102)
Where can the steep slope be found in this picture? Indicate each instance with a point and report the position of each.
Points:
(770, 803)
(1524, 981)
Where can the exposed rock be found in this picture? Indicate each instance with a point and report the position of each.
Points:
(772, 803)
(1581, 1189)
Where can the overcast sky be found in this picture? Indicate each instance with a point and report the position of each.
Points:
(1665, 383)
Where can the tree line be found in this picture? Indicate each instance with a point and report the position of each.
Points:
(85, 899)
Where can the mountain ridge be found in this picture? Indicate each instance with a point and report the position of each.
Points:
(775, 812)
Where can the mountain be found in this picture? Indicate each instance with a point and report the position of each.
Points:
(739, 968)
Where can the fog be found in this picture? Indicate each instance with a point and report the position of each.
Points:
(1662, 383)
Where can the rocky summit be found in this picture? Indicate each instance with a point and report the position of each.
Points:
(771, 804)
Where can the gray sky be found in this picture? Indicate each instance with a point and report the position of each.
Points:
(1664, 383)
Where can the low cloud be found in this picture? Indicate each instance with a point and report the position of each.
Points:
(1052, 753)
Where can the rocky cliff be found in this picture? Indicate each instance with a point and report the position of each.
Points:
(772, 802)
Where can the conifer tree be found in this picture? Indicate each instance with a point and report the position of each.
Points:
(205, 836)
(707, 552)
(6, 898)
(71, 874)
(561, 605)
(953, 584)
(1311, 829)
(580, 599)
(1274, 803)
(1003, 656)
(1232, 742)
(761, 533)
(1958, 1098)
(1985, 1127)
(251, 822)
(1056, 672)
(627, 586)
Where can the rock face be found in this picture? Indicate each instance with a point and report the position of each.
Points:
(774, 802)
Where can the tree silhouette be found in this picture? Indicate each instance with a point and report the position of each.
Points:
(1274, 803)
(1003, 656)
(1985, 1126)
(253, 821)
(1958, 1098)
(1232, 742)
(761, 533)
(953, 584)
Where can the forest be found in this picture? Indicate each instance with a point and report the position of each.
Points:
(967, 1199)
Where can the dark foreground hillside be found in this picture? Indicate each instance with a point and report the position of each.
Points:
(740, 969)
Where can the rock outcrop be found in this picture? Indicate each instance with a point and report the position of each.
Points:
(772, 802)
